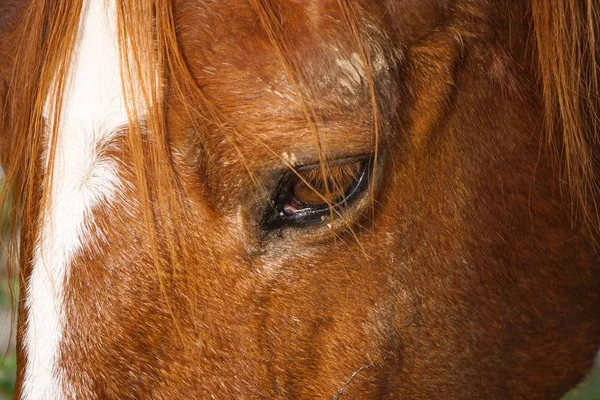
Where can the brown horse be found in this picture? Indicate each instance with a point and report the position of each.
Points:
(303, 199)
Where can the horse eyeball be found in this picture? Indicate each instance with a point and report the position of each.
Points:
(325, 186)
(307, 194)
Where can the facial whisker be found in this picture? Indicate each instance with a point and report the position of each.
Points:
(343, 388)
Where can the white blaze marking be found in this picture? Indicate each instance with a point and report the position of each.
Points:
(82, 179)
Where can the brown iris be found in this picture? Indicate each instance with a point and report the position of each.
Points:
(322, 187)
(308, 194)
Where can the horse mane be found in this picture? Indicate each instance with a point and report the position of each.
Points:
(565, 34)
(567, 39)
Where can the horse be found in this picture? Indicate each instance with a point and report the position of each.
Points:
(302, 199)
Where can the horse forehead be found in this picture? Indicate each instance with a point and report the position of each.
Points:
(413, 17)
(230, 36)
(237, 61)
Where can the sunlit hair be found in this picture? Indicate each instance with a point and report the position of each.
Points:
(567, 37)
(44, 41)
(151, 64)
(565, 32)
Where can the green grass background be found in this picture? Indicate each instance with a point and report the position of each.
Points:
(8, 357)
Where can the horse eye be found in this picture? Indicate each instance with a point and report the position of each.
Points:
(307, 195)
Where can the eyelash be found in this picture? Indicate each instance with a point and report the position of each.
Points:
(288, 209)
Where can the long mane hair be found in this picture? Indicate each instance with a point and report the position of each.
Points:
(565, 36)
(567, 44)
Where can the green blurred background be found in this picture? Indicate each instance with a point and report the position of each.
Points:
(9, 360)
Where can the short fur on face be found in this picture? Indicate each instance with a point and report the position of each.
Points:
(466, 268)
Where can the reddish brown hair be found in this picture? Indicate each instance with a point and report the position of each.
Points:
(566, 45)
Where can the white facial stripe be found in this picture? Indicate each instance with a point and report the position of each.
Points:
(82, 180)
